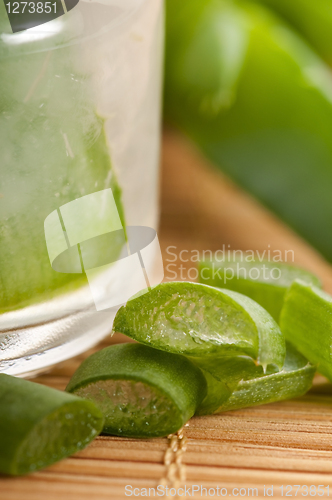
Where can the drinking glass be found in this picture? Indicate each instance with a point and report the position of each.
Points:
(79, 148)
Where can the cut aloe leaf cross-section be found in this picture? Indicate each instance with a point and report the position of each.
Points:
(264, 281)
(141, 391)
(199, 321)
(257, 388)
(40, 425)
(306, 321)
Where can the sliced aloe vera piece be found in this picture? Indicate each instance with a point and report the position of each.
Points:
(141, 391)
(263, 281)
(222, 382)
(257, 388)
(306, 321)
(40, 425)
(203, 322)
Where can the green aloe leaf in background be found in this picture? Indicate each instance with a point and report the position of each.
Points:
(257, 100)
(263, 281)
(312, 18)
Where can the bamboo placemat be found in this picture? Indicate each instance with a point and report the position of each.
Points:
(287, 443)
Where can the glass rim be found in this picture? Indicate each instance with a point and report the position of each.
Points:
(45, 37)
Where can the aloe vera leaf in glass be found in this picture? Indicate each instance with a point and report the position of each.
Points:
(264, 281)
(256, 387)
(53, 149)
(257, 100)
(141, 391)
(202, 322)
(312, 19)
(306, 321)
(40, 425)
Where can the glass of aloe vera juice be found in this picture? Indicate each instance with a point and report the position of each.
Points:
(79, 146)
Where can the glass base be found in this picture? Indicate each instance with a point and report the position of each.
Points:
(62, 339)
(36, 337)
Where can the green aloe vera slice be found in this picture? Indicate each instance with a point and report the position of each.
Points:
(306, 321)
(223, 378)
(263, 281)
(257, 388)
(141, 391)
(40, 425)
(203, 322)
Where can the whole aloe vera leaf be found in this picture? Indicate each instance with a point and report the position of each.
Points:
(312, 19)
(204, 323)
(263, 281)
(53, 149)
(306, 321)
(257, 388)
(258, 102)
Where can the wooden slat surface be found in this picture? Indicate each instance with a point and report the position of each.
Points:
(277, 444)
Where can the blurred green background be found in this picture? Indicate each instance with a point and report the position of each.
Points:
(250, 83)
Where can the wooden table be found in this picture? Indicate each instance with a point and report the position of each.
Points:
(287, 443)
